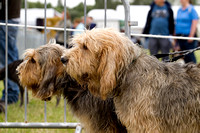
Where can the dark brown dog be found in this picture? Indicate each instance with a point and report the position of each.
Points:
(12, 75)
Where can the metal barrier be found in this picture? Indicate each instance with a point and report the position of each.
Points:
(65, 125)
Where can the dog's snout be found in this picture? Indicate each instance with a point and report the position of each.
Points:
(64, 60)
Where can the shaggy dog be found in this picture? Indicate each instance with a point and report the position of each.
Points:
(12, 75)
(44, 74)
(150, 96)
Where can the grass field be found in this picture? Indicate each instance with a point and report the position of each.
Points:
(36, 113)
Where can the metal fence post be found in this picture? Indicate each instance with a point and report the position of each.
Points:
(85, 12)
(127, 17)
(78, 129)
(6, 64)
(105, 15)
(25, 37)
(45, 33)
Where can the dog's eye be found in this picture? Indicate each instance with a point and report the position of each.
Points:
(32, 60)
(85, 47)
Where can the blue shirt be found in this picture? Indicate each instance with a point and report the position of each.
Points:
(79, 27)
(159, 23)
(184, 20)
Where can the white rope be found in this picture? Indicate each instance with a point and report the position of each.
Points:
(40, 27)
(68, 29)
(169, 37)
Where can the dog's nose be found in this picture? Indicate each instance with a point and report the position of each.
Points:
(64, 60)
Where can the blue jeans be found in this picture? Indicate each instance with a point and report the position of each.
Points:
(13, 89)
(185, 45)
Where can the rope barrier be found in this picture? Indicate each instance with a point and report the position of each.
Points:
(140, 35)
(167, 37)
(40, 27)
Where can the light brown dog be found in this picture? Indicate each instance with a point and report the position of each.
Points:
(43, 73)
(150, 96)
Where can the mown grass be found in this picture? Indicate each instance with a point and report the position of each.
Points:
(197, 54)
(35, 113)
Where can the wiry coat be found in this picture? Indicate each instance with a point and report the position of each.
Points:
(149, 96)
(96, 115)
(44, 74)
(161, 97)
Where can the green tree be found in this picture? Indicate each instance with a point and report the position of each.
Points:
(141, 2)
(78, 11)
(99, 4)
(59, 6)
(35, 4)
(49, 5)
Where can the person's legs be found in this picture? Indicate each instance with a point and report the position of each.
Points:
(13, 90)
(190, 57)
(165, 46)
(153, 46)
(184, 45)
(2, 45)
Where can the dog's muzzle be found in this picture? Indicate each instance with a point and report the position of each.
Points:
(64, 60)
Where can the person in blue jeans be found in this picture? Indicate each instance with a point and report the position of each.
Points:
(160, 21)
(186, 25)
(13, 17)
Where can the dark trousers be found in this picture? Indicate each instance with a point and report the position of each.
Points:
(162, 44)
(185, 45)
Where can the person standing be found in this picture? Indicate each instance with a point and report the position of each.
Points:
(186, 25)
(60, 34)
(90, 23)
(13, 17)
(160, 21)
(79, 26)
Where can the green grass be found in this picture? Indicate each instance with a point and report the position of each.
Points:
(35, 113)
(197, 54)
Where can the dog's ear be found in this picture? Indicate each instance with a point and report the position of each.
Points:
(107, 72)
(46, 87)
(29, 53)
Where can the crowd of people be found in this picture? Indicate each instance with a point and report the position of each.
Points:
(78, 24)
(160, 21)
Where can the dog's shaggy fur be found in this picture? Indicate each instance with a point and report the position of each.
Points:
(149, 96)
(44, 74)
(12, 75)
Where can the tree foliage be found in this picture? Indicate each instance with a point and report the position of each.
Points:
(141, 2)
(60, 6)
(78, 11)
(35, 4)
(111, 4)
